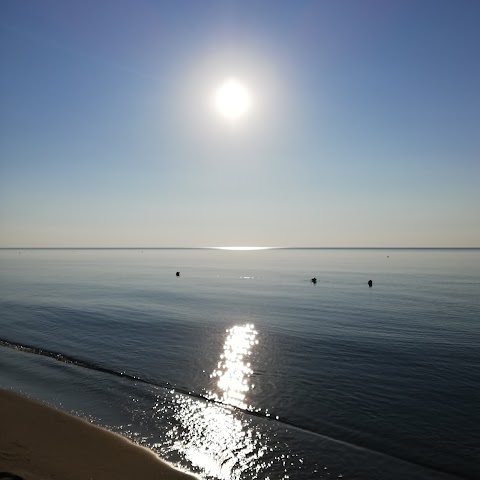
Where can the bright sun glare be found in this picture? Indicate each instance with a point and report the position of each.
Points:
(232, 99)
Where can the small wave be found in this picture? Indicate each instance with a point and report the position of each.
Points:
(68, 359)
(61, 357)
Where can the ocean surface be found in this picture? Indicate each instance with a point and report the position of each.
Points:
(241, 368)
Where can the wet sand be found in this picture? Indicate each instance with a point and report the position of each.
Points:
(38, 442)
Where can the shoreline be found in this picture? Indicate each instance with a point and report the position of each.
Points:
(40, 442)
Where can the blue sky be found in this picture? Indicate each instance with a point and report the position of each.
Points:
(364, 130)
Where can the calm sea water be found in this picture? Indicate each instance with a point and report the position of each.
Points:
(241, 368)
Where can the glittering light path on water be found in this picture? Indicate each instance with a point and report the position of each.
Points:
(234, 368)
(216, 438)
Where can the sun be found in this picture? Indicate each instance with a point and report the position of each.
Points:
(232, 99)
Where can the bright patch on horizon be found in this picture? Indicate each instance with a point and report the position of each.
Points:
(232, 99)
(243, 248)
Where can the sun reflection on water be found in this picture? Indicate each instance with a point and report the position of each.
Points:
(214, 439)
(217, 439)
(243, 249)
(234, 369)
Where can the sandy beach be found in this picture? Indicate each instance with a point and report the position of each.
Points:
(38, 442)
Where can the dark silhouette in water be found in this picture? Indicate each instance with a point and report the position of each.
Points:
(314, 280)
(177, 274)
(370, 283)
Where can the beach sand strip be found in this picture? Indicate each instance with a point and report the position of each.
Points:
(39, 442)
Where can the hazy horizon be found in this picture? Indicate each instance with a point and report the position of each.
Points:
(246, 123)
(239, 249)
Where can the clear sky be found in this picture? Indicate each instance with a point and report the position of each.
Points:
(363, 130)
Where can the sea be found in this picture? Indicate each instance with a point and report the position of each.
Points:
(241, 367)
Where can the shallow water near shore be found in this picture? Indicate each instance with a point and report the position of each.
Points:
(242, 368)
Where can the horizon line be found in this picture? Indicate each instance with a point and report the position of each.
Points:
(245, 248)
